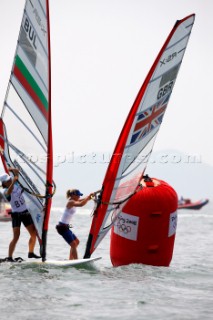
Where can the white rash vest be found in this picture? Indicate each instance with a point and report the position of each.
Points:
(16, 199)
(67, 215)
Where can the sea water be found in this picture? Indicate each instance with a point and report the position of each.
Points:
(183, 291)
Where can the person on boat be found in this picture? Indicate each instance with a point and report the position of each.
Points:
(13, 193)
(63, 227)
(181, 200)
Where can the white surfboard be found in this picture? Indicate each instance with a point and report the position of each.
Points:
(58, 263)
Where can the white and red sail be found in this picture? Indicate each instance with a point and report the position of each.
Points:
(137, 137)
(25, 124)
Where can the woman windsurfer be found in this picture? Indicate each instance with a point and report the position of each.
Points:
(63, 227)
(20, 214)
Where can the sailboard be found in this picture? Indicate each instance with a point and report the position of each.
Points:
(25, 123)
(53, 263)
(136, 140)
(64, 263)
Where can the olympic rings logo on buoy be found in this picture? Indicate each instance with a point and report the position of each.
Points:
(122, 227)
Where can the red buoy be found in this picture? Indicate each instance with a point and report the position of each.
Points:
(144, 231)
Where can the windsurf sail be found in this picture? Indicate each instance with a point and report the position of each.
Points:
(25, 124)
(134, 146)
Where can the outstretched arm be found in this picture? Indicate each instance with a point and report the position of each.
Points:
(10, 189)
(14, 171)
(79, 203)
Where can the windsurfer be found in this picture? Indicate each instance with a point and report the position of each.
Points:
(63, 227)
(13, 193)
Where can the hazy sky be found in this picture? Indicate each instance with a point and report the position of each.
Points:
(102, 51)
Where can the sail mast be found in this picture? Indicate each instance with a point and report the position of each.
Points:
(49, 180)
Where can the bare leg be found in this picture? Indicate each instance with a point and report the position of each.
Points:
(32, 231)
(73, 250)
(16, 234)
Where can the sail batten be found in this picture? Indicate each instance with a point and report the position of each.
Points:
(135, 143)
(25, 124)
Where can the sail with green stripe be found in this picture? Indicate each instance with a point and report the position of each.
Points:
(25, 124)
(26, 79)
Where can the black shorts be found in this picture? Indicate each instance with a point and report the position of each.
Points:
(65, 232)
(21, 217)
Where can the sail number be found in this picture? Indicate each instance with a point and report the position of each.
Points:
(166, 89)
(31, 33)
